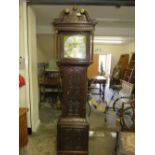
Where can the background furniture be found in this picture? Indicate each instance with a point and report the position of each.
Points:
(23, 134)
(116, 76)
(121, 97)
(93, 68)
(49, 81)
(50, 84)
(119, 70)
(123, 63)
(125, 144)
(101, 80)
(129, 74)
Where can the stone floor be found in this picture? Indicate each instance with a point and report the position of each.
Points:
(102, 135)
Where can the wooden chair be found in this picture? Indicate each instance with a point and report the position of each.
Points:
(125, 144)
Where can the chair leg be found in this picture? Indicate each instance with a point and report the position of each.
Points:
(105, 117)
(105, 112)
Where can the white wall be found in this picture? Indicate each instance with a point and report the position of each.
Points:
(24, 95)
(45, 47)
(34, 96)
(22, 24)
(28, 94)
(116, 50)
(130, 47)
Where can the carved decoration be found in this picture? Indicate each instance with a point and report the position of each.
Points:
(74, 16)
(73, 139)
(74, 91)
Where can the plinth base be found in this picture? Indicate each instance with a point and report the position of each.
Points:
(72, 136)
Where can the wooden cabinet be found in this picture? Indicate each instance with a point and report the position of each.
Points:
(129, 74)
(93, 68)
(123, 63)
(23, 134)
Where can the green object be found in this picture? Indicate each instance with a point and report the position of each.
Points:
(101, 72)
(52, 65)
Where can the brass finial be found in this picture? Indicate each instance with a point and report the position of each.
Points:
(78, 14)
(56, 31)
(74, 8)
(82, 10)
(66, 11)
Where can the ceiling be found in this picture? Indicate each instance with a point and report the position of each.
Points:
(112, 21)
(85, 2)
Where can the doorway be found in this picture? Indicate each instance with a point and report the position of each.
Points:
(104, 67)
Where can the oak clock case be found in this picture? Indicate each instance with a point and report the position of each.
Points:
(74, 50)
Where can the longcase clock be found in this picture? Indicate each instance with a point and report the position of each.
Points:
(74, 29)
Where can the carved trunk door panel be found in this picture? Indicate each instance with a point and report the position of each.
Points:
(74, 91)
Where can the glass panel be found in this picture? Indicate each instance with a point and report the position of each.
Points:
(75, 46)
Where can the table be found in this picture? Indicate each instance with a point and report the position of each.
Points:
(101, 80)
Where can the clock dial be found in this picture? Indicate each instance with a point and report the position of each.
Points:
(75, 46)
